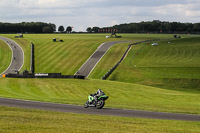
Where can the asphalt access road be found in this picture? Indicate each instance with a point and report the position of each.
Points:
(89, 65)
(105, 111)
(17, 56)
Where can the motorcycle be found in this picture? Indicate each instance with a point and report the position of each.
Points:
(98, 102)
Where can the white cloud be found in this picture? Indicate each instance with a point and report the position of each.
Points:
(84, 13)
(55, 3)
(178, 11)
(114, 22)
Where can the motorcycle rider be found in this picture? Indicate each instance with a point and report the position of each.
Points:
(96, 95)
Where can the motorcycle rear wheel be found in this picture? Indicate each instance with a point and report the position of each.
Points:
(100, 104)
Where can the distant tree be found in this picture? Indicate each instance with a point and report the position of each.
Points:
(61, 28)
(142, 27)
(196, 27)
(89, 29)
(53, 27)
(31, 27)
(69, 29)
(95, 29)
(46, 29)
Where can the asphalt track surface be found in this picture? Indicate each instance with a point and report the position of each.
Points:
(90, 64)
(17, 60)
(105, 111)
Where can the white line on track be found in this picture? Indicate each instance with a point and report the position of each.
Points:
(11, 58)
(10, 40)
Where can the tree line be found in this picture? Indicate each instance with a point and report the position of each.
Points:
(27, 27)
(62, 29)
(155, 26)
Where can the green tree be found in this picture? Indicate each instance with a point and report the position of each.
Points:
(69, 29)
(95, 29)
(46, 29)
(61, 28)
(53, 27)
(89, 29)
(196, 27)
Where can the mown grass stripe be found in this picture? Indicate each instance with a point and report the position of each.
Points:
(56, 58)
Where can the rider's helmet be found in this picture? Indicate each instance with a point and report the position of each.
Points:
(99, 91)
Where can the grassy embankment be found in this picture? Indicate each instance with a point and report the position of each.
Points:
(115, 53)
(15, 120)
(173, 65)
(60, 57)
(5, 56)
(122, 95)
(67, 57)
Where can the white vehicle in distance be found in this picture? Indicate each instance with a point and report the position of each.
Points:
(154, 44)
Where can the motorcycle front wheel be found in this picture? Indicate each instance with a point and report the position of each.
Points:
(86, 105)
(100, 104)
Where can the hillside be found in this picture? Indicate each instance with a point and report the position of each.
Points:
(68, 56)
(122, 95)
(172, 64)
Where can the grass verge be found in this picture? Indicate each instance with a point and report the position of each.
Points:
(171, 65)
(14, 120)
(122, 95)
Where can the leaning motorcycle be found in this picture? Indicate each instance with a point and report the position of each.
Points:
(98, 102)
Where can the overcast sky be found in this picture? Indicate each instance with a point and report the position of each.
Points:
(84, 13)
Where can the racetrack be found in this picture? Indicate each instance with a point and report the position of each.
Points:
(17, 56)
(79, 109)
(105, 111)
(89, 65)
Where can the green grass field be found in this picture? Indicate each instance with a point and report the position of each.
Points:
(68, 56)
(165, 78)
(173, 65)
(60, 57)
(122, 95)
(13, 120)
(5, 56)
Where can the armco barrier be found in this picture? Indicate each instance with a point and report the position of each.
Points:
(47, 75)
(124, 55)
(32, 65)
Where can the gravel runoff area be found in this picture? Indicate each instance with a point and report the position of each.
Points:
(17, 56)
(105, 111)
